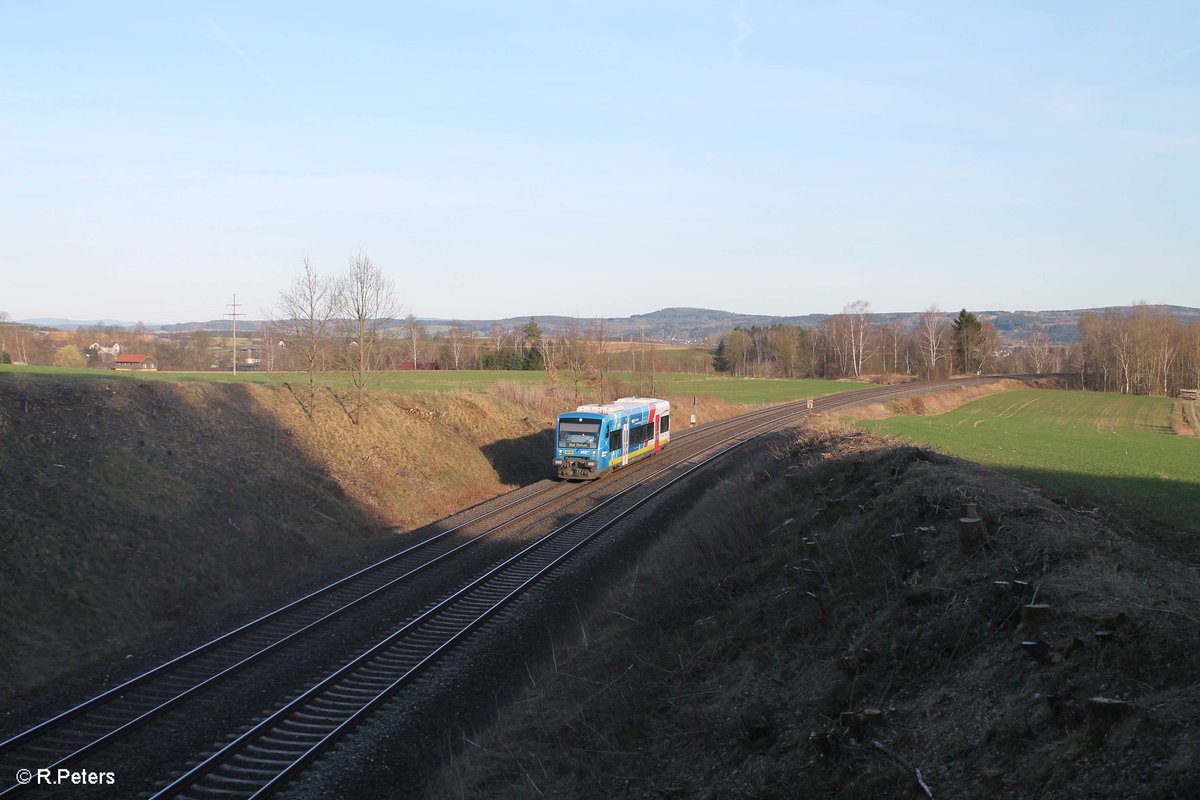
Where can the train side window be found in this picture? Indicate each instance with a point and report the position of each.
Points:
(664, 423)
(614, 441)
(641, 433)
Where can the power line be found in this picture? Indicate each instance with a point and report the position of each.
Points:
(235, 306)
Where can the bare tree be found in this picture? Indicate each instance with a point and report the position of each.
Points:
(834, 337)
(580, 357)
(787, 346)
(499, 337)
(305, 316)
(856, 329)
(414, 334)
(738, 351)
(889, 346)
(931, 333)
(457, 337)
(367, 303)
(549, 346)
(1037, 352)
(1192, 349)
(1165, 344)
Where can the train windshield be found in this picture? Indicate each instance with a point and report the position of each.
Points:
(583, 434)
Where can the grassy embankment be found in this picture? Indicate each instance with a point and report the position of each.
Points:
(1094, 448)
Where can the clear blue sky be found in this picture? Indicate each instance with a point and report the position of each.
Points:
(599, 159)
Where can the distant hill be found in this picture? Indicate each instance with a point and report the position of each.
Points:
(688, 325)
(74, 324)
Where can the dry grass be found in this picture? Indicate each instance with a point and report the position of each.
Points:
(934, 403)
(748, 653)
(1184, 421)
(127, 508)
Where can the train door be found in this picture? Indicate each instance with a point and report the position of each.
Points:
(654, 426)
(625, 442)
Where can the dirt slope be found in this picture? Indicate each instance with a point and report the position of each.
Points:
(816, 628)
(129, 507)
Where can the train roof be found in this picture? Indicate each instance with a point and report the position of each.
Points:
(620, 404)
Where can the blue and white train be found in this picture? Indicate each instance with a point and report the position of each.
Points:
(593, 439)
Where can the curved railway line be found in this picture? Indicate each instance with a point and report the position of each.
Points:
(260, 753)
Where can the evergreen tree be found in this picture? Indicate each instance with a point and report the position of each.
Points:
(720, 357)
(531, 358)
(968, 342)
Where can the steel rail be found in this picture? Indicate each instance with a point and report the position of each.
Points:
(321, 701)
(127, 720)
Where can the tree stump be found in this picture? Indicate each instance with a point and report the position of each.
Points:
(1105, 713)
(972, 534)
(1035, 616)
(1038, 650)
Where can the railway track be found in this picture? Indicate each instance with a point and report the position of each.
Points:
(275, 747)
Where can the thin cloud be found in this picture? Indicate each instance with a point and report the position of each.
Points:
(1078, 101)
(237, 51)
(1163, 62)
(745, 30)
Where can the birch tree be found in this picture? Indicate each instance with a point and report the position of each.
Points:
(856, 330)
(414, 334)
(931, 334)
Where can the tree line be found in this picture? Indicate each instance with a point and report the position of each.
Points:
(849, 344)
(1146, 351)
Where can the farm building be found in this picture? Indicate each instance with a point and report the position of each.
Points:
(136, 361)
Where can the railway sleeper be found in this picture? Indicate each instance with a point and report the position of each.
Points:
(308, 714)
(221, 779)
(267, 752)
(267, 763)
(250, 773)
(349, 692)
(287, 745)
(375, 673)
(205, 792)
(307, 731)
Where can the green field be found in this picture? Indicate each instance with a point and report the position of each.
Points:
(749, 391)
(1092, 447)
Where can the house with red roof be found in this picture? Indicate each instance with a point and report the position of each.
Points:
(136, 361)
